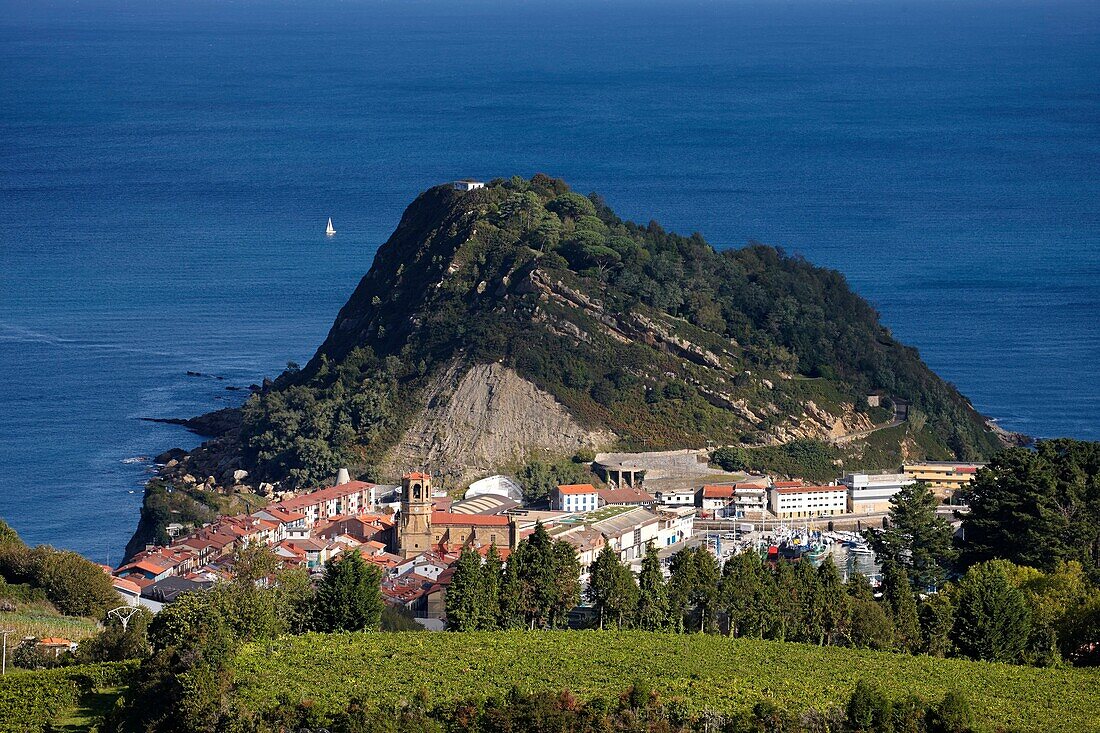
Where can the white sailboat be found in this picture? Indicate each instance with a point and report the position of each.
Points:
(329, 231)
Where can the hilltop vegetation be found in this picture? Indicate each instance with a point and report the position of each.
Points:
(653, 337)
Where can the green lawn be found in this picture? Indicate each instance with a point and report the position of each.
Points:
(706, 672)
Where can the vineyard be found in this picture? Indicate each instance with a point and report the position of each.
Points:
(29, 701)
(706, 673)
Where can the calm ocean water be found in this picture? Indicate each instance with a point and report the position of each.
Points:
(166, 169)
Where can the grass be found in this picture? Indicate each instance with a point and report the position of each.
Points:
(40, 623)
(91, 708)
(706, 673)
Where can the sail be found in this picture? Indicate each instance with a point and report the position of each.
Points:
(329, 230)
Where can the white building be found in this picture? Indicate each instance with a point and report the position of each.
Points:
(468, 184)
(715, 498)
(676, 497)
(871, 493)
(574, 498)
(808, 501)
(676, 525)
(749, 500)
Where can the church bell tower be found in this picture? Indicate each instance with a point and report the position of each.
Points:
(416, 514)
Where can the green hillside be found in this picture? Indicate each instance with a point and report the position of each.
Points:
(706, 673)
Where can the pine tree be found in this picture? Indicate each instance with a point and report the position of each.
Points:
(790, 617)
(992, 619)
(811, 603)
(918, 539)
(466, 595)
(901, 606)
(653, 608)
(858, 586)
(510, 613)
(706, 592)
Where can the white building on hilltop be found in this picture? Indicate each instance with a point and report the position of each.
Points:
(468, 184)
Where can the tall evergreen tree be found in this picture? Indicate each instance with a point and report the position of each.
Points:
(745, 597)
(693, 589)
(790, 616)
(611, 589)
(937, 616)
(510, 612)
(467, 599)
(901, 606)
(349, 595)
(493, 571)
(566, 588)
(918, 539)
(1036, 507)
(992, 619)
(834, 604)
(652, 612)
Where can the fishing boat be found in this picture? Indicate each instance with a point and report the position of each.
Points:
(329, 231)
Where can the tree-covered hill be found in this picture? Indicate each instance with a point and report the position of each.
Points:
(641, 337)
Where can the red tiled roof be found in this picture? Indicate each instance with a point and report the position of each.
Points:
(717, 492)
(625, 495)
(417, 475)
(326, 494)
(577, 489)
(966, 469)
(54, 641)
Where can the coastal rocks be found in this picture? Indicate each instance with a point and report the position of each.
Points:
(172, 454)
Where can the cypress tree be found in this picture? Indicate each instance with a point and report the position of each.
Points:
(466, 596)
(565, 591)
(652, 612)
(937, 616)
(834, 604)
(992, 619)
(493, 571)
(901, 606)
(601, 583)
(349, 596)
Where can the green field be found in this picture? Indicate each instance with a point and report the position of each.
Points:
(708, 673)
(68, 698)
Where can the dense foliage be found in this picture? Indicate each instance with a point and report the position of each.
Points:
(29, 701)
(73, 584)
(1037, 507)
(702, 673)
(676, 343)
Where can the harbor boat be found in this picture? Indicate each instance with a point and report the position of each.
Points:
(817, 551)
(329, 231)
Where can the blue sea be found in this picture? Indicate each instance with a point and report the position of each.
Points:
(167, 168)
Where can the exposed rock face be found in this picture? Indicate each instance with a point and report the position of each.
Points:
(477, 418)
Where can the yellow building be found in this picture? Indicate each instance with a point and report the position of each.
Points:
(943, 477)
